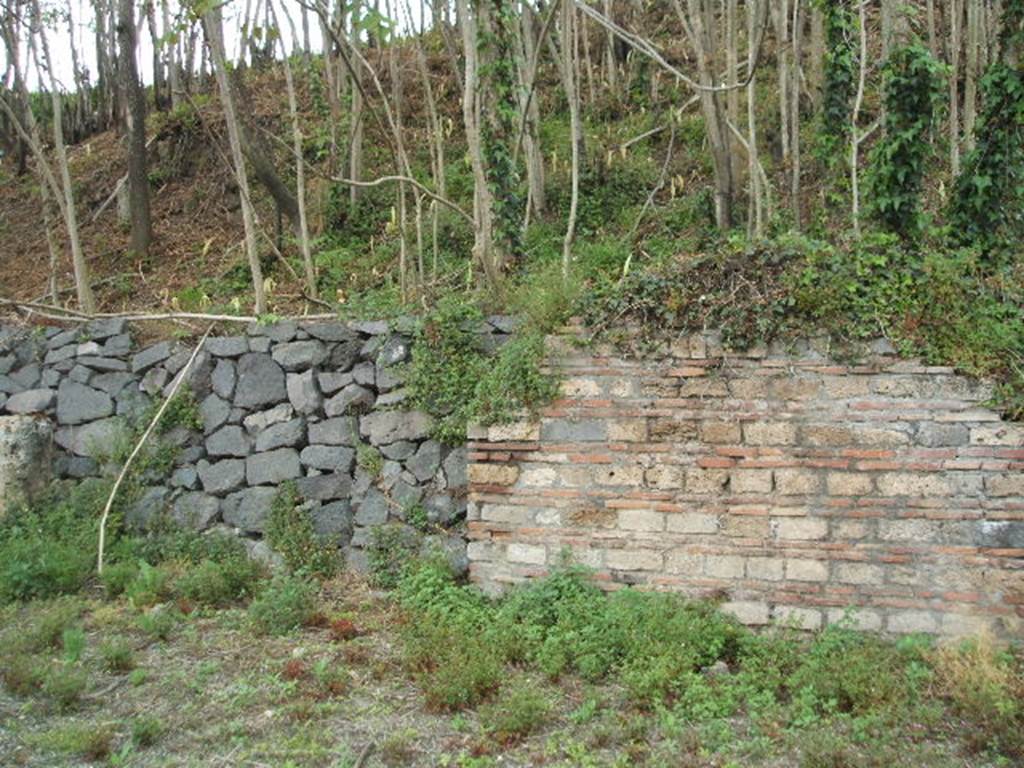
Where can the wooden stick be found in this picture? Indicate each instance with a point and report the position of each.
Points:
(138, 447)
(72, 315)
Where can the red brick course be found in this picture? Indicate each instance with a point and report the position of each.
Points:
(788, 486)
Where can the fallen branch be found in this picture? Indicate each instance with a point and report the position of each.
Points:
(71, 315)
(138, 447)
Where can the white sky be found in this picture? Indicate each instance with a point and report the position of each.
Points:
(233, 11)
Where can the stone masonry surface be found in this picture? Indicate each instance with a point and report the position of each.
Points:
(277, 402)
(784, 484)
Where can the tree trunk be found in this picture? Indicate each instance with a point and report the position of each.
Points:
(702, 40)
(355, 145)
(135, 130)
(173, 66)
(756, 220)
(531, 139)
(483, 229)
(300, 163)
(215, 40)
(974, 23)
(82, 287)
(568, 28)
(794, 120)
(955, 44)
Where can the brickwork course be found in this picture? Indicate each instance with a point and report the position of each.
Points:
(784, 484)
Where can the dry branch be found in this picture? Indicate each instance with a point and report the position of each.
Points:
(138, 447)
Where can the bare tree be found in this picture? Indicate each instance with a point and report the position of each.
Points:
(135, 123)
(82, 285)
(702, 40)
(570, 82)
(300, 172)
(213, 29)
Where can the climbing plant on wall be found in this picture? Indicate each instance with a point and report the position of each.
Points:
(913, 92)
(986, 204)
(839, 81)
(500, 120)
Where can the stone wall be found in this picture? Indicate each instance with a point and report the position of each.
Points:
(277, 402)
(781, 482)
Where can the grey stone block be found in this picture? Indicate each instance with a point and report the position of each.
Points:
(195, 510)
(332, 521)
(104, 328)
(222, 476)
(386, 427)
(303, 393)
(150, 356)
(325, 487)
(273, 467)
(395, 350)
(285, 434)
(112, 383)
(248, 509)
(104, 363)
(426, 461)
(227, 346)
(261, 382)
(331, 332)
(343, 356)
(352, 399)
(27, 376)
(373, 509)
(299, 355)
(231, 440)
(214, 413)
(330, 458)
(330, 382)
(77, 403)
(31, 401)
(223, 378)
(79, 373)
(257, 422)
(338, 431)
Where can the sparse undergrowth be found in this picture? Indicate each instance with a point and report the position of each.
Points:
(188, 650)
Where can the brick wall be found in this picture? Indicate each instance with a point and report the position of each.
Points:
(781, 482)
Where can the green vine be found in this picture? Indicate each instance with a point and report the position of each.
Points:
(839, 79)
(500, 120)
(913, 92)
(985, 208)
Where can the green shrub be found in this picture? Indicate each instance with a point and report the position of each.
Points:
(159, 622)
(454, 670)
(985, 685)
(146, 731)
(519, 709)
(150, 586)
(447, 362)
(220, 583)
(48, 548)
(117, 576)
(849, 672)
(389, 552)
(46, 623)
(22, 673)
(290, 532)
(36, 568)
(73, 643)
(64, 685)
(117, 656)
(91, 741)
(286, 603)
(513, 382)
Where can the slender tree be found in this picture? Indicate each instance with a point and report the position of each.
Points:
(135, 130)
(213, 30)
